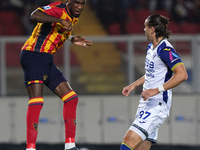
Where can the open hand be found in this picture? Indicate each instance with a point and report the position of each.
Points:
(81, 41)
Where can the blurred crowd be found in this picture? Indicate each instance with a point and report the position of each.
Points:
(23, 9)
(109, 11)
(117, 10)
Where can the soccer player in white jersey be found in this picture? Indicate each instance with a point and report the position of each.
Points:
(164, 70)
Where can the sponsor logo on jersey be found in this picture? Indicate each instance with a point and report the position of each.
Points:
(47, 7)
(149, 67)
(167, 49)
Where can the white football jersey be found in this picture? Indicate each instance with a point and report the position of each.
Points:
(159, 64)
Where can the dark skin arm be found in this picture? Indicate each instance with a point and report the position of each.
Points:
(41, 17)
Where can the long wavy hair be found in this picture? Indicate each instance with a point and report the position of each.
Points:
(159, 22)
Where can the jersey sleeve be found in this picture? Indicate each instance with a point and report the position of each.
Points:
(52, 11)
(169, 56)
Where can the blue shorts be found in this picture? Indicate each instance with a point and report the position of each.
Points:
(40, 68)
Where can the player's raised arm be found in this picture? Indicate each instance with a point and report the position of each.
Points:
(42, 17)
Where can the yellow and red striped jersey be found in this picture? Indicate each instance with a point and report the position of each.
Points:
(48, 37)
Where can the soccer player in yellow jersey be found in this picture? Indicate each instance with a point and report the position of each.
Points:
(54, 26)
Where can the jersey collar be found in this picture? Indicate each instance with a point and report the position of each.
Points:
(158, 43)
(68, 12)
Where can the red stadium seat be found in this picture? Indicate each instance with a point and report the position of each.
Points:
(183, 47)
(15, 29)
(1, 31)
(142, 15)
(9, 17)
(198, 28)
(114, 29)
(73, 59)
(12, 54)
(132, 15)
(163, 12)
(134, 28)
(12, 24)
(174, 27)
(189, 28)
(122, 46)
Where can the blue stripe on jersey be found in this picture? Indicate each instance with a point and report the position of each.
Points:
(165, 96)
(165, 58)
(61, 5)
(149, 46)
(45, 30)
(167, 77)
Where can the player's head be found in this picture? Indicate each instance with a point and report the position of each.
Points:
(76, 7)
(159, 23)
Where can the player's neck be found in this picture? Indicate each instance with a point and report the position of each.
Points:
(157, 41)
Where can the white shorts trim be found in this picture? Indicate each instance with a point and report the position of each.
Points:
(140, 133)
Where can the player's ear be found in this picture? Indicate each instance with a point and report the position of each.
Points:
(152, 29)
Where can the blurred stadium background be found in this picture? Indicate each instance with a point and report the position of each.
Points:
(99, 73)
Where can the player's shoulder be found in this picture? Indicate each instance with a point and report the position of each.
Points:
(165, 46)
(57, 4)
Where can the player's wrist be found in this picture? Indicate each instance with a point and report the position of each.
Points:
(61, 21)
(161, 88)
(70, 38)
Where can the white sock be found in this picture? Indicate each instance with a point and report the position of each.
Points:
(69, 145)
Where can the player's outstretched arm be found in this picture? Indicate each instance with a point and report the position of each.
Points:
(81, 41)
(127, 90)
(42, 17)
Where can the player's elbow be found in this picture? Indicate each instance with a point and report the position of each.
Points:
(35, 15)
(184, 76)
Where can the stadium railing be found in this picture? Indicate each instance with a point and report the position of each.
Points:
(130, 40)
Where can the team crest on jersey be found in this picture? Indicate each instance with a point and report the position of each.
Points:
(35, 126)
(45, 77)
(47, 7)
